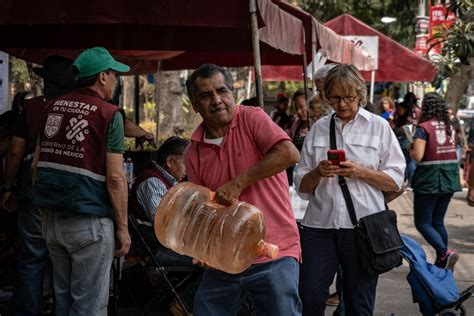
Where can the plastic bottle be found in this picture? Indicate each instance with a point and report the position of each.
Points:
(128, 170)
(227, 238)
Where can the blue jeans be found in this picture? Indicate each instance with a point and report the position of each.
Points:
(82, 249)
(272, 285)
(430, 210)
(32, 260)
(323, 251)
(411, 165)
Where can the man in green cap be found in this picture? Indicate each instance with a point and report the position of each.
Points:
(81, 185)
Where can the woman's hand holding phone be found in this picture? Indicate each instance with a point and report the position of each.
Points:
(345, 168)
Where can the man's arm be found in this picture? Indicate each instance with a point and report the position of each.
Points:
(282, 155)
(418, 150)
(118, 193)
(13, 160)
(134, 131)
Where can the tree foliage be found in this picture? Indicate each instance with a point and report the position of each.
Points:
(18, 71)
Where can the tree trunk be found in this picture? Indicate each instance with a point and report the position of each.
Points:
(128, 95)
(171, 107)
(458, 84)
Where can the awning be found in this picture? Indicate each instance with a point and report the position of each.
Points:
(396, 63)
(336, 48)
(141, 62)
(282, 37)
(139, 31)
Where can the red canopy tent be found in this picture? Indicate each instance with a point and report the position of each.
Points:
(142, 32)
(396, 63)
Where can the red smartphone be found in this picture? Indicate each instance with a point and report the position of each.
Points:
(336, 156)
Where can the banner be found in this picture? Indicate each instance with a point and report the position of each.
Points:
(439, 22)
(370, 44)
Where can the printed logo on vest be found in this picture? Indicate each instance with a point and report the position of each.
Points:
(77, 129)
(441, 136)
(53, 124)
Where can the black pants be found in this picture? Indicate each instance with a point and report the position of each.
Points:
(323, 251)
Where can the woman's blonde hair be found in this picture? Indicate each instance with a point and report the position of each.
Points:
(350, 78)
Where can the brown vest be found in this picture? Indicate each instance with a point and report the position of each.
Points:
(439, 146)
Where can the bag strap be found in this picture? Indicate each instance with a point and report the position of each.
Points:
(342, 181)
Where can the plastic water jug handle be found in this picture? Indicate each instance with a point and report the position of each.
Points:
(212, 197)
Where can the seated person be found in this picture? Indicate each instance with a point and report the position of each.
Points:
(150, 186)
(279, 115)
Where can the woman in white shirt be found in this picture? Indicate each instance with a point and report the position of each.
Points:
(374, 164)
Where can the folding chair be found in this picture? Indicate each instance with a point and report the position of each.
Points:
(189, 272)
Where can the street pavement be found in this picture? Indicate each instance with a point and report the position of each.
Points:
(393, 291)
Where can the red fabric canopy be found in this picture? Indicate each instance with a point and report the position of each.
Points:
(396, 63)
(140, 30)
(282, 73)
(282, 32)
(140, 62)
(335, 47)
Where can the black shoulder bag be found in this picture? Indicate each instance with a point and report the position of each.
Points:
(378, 239)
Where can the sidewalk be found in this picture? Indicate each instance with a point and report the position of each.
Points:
(393, 291)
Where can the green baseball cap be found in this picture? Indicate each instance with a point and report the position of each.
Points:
(95, 60)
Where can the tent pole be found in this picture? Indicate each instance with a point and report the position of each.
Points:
(372, 84)
(157, 78)
(305, 75)
(136, 105)
(314, 39)
(249, 81)
(256, 51)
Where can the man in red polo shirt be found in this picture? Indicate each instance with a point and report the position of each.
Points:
(241, 154)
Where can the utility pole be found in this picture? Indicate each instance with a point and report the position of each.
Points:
(421, 8)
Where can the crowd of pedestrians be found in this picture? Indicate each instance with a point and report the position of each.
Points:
(72, 138)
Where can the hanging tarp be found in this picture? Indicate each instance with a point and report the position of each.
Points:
(396, 63)
(283, 32)
(334, 47)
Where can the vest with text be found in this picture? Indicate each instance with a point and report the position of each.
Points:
(438, 171)
(440, 148)
(71, 167)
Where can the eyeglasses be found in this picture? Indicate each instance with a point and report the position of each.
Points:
(336, 99)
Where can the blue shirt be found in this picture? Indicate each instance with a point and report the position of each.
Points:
(151, 191)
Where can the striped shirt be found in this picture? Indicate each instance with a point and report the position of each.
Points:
(151, 191)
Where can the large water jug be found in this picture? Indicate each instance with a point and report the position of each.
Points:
(227, 238)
